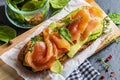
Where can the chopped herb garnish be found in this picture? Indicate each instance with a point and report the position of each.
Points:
(116, 40)
(37, 39)
(104, 63)
(33, 40)
(107, 40)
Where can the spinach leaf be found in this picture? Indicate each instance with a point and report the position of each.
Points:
(37, 39)
(32, 5)
(45, 10)
(64, 33)
(115, 17)
(6, 33)
(58, 3)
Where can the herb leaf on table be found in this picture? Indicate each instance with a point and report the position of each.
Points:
(6, 34)
(115, 17)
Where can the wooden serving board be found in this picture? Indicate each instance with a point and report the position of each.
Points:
(7, 73)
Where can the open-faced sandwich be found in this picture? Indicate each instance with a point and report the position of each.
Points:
(62, 40)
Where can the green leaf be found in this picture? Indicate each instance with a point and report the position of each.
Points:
(115, 17)
(15, 15)
(65, 33)
(18, 1)
(4, 37)
(56, 67)
(7, 33)
(45, 10)
(58, 3)
(32, 5)
(96, 33)
(104, 63)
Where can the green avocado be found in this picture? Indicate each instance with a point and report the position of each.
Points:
(56, 67)
(74, 48)
(97, 33)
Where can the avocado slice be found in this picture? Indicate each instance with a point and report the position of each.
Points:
(74, 48)
(52, 25)
(56, 67)
(97, 33)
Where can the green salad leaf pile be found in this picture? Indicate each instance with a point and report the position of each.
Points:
(6, 34)
(33, 19)
(27, 6)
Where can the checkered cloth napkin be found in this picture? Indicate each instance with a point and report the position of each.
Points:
(84, 72)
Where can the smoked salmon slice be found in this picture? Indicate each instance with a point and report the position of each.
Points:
(80, 25)
(60, 42)
(45, 52)
(74, 31)
(92, 26)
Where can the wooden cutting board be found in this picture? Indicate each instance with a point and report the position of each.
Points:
(7, 73)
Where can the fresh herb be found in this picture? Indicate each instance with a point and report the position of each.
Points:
(107, 66)
(58, 3)
(106, 23)
(115, 17)
(116, 40)
(65, 33)
(6, 34)
(33, 40)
